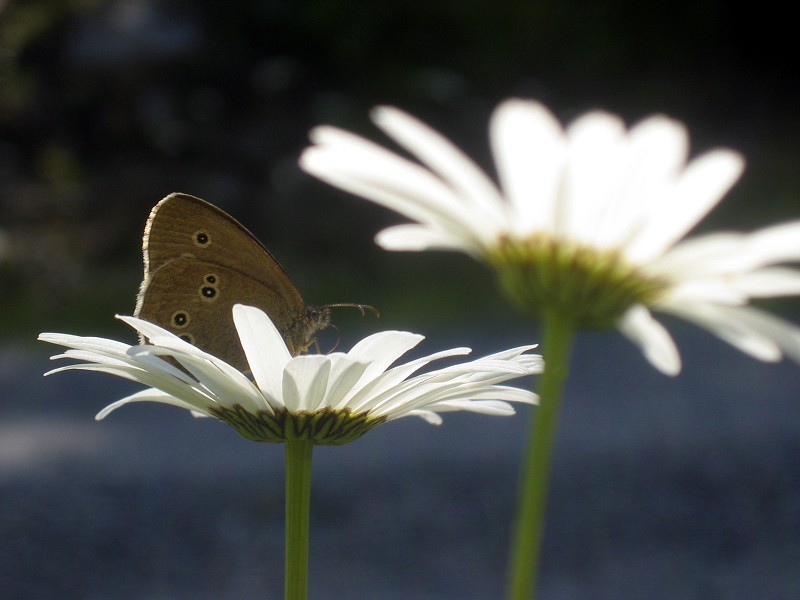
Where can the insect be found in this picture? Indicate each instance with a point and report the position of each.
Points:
(199, 261)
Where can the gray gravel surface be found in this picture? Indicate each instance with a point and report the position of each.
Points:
(685, 488)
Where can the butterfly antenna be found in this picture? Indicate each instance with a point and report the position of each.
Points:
(362, 308)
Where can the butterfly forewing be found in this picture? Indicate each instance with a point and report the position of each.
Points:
(185, 225)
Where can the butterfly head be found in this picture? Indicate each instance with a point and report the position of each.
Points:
(317, 318)
(301, 334)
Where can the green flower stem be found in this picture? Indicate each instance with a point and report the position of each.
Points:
(557, 338)
(298, 504)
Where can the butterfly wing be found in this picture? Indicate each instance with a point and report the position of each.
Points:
(182, 225)
(199, 309)
(198, 262)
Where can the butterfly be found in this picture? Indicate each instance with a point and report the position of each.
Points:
(199, 261)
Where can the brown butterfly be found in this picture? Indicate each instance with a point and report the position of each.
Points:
(199, 261)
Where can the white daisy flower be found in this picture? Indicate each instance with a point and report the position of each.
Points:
(587, 222)
(328, 399)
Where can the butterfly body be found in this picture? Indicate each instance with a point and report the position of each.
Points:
(198, 262)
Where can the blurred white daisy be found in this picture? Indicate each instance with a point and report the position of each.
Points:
(587, 224)
(328, 399)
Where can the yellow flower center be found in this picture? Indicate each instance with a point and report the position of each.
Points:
(591, 287)
(325, 426)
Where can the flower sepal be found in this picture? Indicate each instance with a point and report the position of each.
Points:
(326, 426)
(588, 287)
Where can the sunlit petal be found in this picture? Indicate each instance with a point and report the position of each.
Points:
(148, 395)
(263, 346)
(530, 149)
(701, 186)
(445, 159)
(649, 335)
(732, 327)
(416, 238)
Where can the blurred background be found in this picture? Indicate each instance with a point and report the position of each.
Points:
(663, 488)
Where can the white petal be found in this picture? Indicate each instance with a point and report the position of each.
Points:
(660, 147)
(358, 166)
(529, 148)
(428, 390)
(149, 395)
(416, 238)
(422, 393)
(737, 289)
(223, 383)
(92, 356)
(95, 344)
(784, 333)
(365, 169)
(768, 246)
(429, 416)
(597, 153)
(776, 244)
(131, 362)
(701, 186)
(264, 348)
(502, 393)
(735, 325)
(147, 329)
(769, 282)
(344, 378)
(389, 383)
(382, 349)
(516, 353)
(729, 253)
(169, 385)
(699, 257)
(655, 151)
(495, 367)
(486, 407)
(511, 394)
(713, 289)
(445, 159)
(394, 376)
(305, 381)
(638, 325)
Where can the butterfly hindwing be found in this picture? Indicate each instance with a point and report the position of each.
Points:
(200, 309)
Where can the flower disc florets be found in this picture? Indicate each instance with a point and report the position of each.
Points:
(591, 287)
